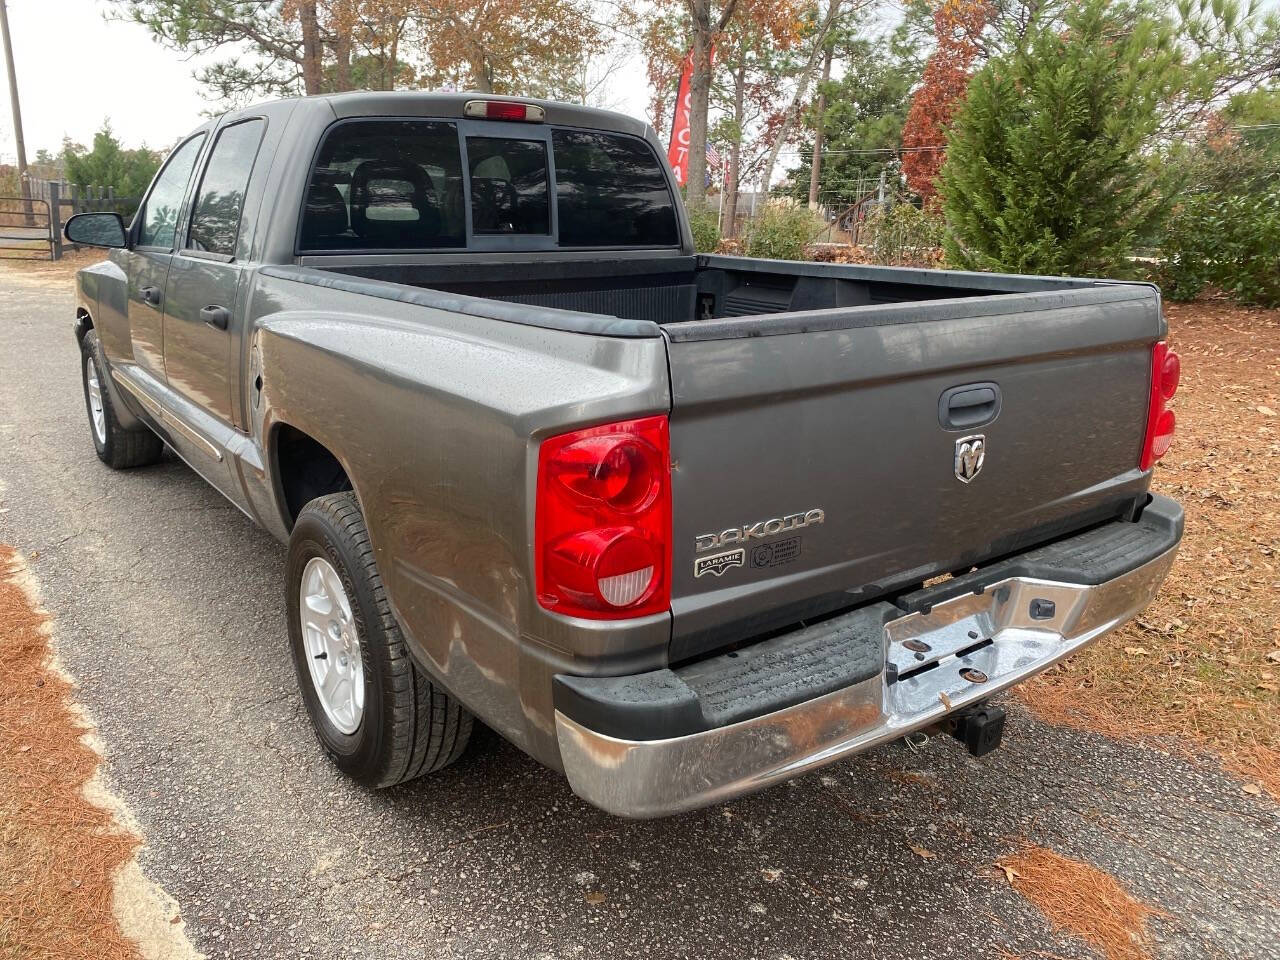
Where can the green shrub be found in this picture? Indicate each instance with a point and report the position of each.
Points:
(705, 225)
(1045, 170)
(904, 235)
(781, 231)
(1228, 240)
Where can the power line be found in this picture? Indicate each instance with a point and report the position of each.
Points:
(899, 151)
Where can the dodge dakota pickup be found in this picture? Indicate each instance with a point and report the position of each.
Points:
(679, 526)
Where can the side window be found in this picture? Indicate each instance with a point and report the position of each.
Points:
(508, 186)
(215, 220)
(160, 215)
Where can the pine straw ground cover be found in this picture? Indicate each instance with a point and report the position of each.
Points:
(58, 851)
(1081, 900)
(1201, 667)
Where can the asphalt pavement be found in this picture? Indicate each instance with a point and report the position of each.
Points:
(168, 607)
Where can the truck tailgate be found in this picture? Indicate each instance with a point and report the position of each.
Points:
(827, 457)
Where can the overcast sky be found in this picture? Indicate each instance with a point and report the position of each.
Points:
(75, 69)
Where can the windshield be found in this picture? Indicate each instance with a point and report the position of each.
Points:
(398, 185)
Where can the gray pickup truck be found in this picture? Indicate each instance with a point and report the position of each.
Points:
(679, 526)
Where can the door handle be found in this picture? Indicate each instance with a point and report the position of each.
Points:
(151, 295)
(972, 405)
(215, 316)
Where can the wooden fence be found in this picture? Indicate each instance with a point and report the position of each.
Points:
(63, 200)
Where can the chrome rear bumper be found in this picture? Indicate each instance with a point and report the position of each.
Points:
(653, 778)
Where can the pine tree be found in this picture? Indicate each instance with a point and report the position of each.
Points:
(1045, 169)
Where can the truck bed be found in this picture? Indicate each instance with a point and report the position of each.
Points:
(665, 290)
(832, 396)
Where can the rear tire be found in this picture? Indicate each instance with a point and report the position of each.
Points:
(401, 725)
(116, 446)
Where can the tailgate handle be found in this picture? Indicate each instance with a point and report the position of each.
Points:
(968, 406)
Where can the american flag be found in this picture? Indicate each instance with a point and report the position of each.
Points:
(713, 156)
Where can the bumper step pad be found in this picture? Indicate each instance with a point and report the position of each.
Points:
(670, 740)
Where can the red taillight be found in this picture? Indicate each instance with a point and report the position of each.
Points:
(603, 525)
(1166, 368)
(504, 110)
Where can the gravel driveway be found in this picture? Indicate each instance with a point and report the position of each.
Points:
(168, 607)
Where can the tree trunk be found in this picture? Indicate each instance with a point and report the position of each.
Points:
(815, 168)
(480, 74)
(802, 89)
(730, 200)
(312, 51)
(704, 34)
(699, 103)
(342, 55)
(390, 65)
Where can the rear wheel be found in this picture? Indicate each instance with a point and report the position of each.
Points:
(375, 713)
(115, 445)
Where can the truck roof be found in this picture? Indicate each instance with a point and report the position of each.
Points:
(419, 103)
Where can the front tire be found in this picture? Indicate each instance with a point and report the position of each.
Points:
(115, 445)
(378, 716)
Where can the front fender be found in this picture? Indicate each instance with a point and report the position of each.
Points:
(102, 296)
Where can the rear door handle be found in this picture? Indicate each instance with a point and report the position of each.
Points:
(216, 316)
(151, 295)
(968, 406)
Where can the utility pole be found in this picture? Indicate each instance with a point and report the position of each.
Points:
(17, 112)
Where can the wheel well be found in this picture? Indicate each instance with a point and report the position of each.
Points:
(84, 323)
(305, 470)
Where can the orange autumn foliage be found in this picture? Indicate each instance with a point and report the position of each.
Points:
(957, 25)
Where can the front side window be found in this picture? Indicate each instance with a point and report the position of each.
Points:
(386, 185)
(610, 192)
(160, 215)
(509, 192)
(215, 220)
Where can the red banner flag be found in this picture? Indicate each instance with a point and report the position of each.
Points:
(678, 149)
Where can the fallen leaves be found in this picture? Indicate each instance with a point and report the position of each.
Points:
(1010, 874)
(924, 853)
(1191, 672)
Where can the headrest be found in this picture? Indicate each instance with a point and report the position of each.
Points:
(325, 214)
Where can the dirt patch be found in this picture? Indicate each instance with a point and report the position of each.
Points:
(69, 886)
(1081, 900)
(1202, 663)
(51, 272)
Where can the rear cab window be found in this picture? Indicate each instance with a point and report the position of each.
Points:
(610, 192)
(399, 185)
(386, 185)
(509, 192)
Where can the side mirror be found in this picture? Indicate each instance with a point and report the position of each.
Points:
(96, 230)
